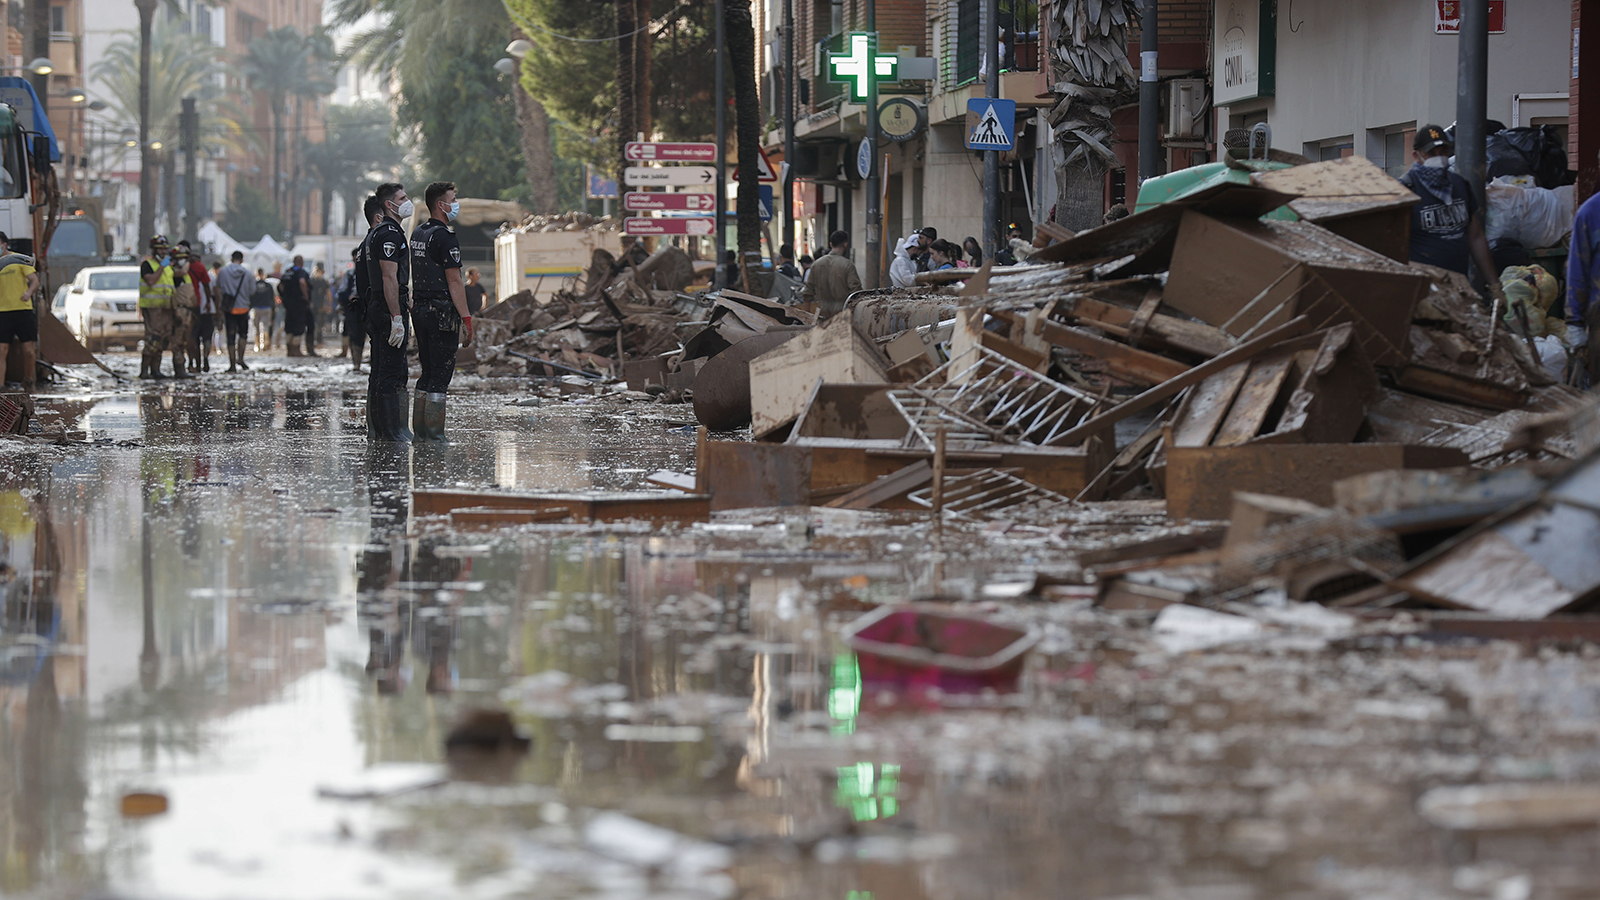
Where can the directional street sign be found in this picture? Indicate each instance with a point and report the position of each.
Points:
(852, 65)
(991, 124)
(640, 202)
(667, 226)
(646, 152)
(637, 176)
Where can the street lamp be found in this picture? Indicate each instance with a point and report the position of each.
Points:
(519, 48)
(506, 66)
(41, 66)
(76, 95)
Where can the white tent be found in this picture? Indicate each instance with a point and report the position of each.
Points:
(266, 253)
(219, 243)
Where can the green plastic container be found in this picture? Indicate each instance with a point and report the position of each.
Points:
(1182, 183)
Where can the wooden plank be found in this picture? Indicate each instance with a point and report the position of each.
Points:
(1121, 360)
(596, 507)
(1201, 481)
(481, 519)
(1205, 409)
(1141, 318)
(895, 484)
(741, 474)
(1182, 334)
(1254, 401)
(1245, 351)
(1460, 390)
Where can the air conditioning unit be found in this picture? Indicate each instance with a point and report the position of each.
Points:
(1185, 100)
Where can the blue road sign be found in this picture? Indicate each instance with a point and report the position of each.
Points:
(599, 187)
(766, 204)
(991, 124)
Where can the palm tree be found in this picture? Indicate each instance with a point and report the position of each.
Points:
(147, 209)
(747, 124)
(357, 155)
(147, 77)
(284, 63)
(1091, 74)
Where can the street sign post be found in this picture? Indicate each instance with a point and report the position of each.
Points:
(641, 202)
(991, 124)
(640, 176)
(764, 170)
(637, 151)
(644, 227)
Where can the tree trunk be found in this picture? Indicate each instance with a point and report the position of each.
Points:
(627, 101)
(641, 77)
(1080, 202)
(169, 192)
(147, 197)
(327, 207)
(538, 156)
(747, 126)
(277, 154)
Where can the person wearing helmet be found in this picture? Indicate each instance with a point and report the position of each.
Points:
(156, 285)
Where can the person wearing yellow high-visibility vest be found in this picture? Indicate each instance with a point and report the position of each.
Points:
(156, 286)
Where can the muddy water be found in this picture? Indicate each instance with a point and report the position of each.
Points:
(227, 602)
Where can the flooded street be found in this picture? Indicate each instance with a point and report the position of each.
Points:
(225, 601)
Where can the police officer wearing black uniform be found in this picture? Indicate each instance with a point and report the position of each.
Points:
(355, 305)
(440, 316)
(389, 280)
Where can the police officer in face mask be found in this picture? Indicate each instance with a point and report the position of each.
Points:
(440, 316)
(389, 274)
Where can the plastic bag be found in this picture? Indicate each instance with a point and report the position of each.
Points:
(1541, 148)
(1532, 216)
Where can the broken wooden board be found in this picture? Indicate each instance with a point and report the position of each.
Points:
(781, 380)
(487, 519)
(1200, 481)
(1197, 338)
(1335, 390)
(850, 464)
(1530, 564)
(1457, 389)
(855, 411)
(1206, 406)
(595, 507)
(1255, 400)
(1123, 361)
(743, 475)
(896, 484)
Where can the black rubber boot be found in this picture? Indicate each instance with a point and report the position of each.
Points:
(433, 406)
(391, 418)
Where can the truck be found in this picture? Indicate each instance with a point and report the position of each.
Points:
(29, 203)
(543, 262)
(79, 241)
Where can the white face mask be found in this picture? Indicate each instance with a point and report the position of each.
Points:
(404, 210)
(455, 210)
(1436, 162)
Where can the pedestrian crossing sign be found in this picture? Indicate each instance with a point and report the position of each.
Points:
(991, 124)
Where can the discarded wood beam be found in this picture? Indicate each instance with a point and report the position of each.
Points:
(1094, 424)
(887, 487)
(1181, 334)
(1201, 481)
(1121, 360)
(1443, 386)
(945, 276)
(596, 507)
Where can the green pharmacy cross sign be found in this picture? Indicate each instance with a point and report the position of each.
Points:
(853, 67)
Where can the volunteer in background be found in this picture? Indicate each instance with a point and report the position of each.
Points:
(475, 293)
(19, 284)
(439, 316)
(1583, 284)
(1447, 226)
(156, 281)
(234, 288)
(833, 278)
(205, 313)
(389, 277)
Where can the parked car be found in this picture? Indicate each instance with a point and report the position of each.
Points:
(58, 306)
(102, 307)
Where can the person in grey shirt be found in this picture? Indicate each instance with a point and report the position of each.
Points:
(833, 278)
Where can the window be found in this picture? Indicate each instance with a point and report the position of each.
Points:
(13, 171)
(1389, 147)
(969, 14)
(74, 237)
(58, 19)
(114, 281)
(1331, 148)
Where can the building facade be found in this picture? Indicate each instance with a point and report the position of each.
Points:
(1329, 77)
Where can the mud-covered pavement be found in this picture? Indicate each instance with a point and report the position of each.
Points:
(224, 599)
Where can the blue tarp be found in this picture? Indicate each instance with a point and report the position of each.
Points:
(19, 93)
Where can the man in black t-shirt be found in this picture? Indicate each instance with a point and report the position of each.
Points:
(294, 291)
(389, 280)
(440, 316)
(360, 288)
(475, 293)
(1446, 226)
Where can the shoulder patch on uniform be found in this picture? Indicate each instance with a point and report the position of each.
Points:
(388, 248)
(455, 254)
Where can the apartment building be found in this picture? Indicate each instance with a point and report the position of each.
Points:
(109, 169)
